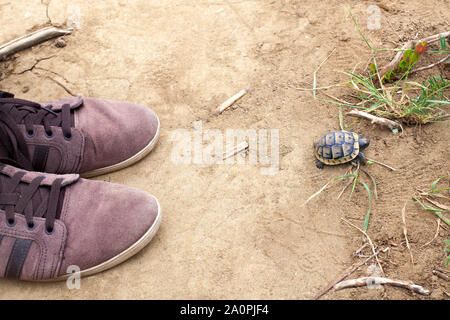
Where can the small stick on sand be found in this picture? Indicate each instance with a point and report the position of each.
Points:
(318, 88)
(405, 231)
(441, 274)
(377, 120)
(31, 39)
(239, 148)
(381, 164)
(348, 273)
(370, 281)
(230, 101)
(358, 252)
(431, 65)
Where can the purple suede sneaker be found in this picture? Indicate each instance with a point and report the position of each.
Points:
(75, 135)
(52, 223)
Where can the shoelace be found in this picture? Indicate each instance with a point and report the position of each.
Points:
(15, 111)
(31, 200)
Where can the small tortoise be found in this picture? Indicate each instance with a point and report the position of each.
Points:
(339, 147)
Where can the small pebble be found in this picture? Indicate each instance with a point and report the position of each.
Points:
(25, 89)
(60, 43)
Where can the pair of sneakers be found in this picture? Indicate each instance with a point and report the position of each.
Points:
(52, 221)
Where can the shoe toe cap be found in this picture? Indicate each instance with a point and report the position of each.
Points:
(104, 221)
(114, 131)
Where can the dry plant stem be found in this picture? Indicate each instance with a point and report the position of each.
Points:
(317, 70)
(335, 98)
(315, 194)
(230, 101)
(430, 66)
(358, 252)
(409, 45)
(348, 273)
(345, 188)
(421, 197)
(323, 87)
(319, 88)
(382, 164)
(30, 40)
(437, 204)
(377, 120)
(347, 185)
(436, 234)
(441, 274)
(364, 281)
(405, 232)
(239, 148)
(370, 242)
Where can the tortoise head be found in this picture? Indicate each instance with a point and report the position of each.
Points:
(363, 142)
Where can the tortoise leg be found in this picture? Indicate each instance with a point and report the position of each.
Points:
(319, 164)
(362, 158)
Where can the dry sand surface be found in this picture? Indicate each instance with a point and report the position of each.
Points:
(230, 231)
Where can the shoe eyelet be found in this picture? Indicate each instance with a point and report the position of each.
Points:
(11, 222)
(68, 138)
(30, 133)
(49, 232)
(31, 226)
(49, 135)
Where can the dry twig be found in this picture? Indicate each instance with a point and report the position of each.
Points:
(230, 101)
(318, 88)
(31, 39)
(377, 120)
(348, 273)
(239, 148)
(358, 252)
(368, 281)
(430, 66)
(441, 274)
(381, 164)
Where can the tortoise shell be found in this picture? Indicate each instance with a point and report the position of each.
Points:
(337, 147)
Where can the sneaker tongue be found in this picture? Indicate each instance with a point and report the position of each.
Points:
(7, 141)
(13, 147)
(3, 151)
(4, 94)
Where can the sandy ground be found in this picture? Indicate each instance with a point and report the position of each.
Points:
(230, 231)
